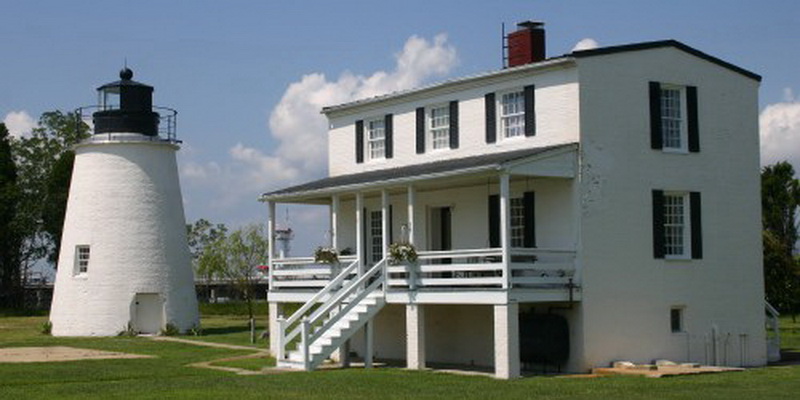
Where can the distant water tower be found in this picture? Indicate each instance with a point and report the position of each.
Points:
(124, 261)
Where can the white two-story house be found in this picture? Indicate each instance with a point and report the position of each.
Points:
(567, 212)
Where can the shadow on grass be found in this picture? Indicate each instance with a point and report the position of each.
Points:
(224, 330)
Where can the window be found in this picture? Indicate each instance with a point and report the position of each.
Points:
(81, 259)
(376, 139)
(675, 243)
(673, 130)
(376, 235)
(673, 118)
(439, 126)
(677, 225)
(512, 114)
(517, 222)
(676, 319)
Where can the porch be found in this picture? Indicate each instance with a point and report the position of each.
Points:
(497, 230)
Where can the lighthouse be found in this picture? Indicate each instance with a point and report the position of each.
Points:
(124, 264)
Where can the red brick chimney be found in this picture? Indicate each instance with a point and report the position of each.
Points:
(526, 44)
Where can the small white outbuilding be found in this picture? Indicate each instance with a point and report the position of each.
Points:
(124, 263)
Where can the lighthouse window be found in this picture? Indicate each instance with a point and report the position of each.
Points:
(81, 259)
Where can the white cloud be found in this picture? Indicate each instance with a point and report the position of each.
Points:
(19, 123)
(300, 131)
(779, 126)
(586, 44)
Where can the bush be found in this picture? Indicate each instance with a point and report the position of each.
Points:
(47, 328)
(170, 330)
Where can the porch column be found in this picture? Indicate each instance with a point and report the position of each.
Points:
(275, 312)
(385, 224)
(360, 232)
(335, 205)
(415, 336)
(505, 228)
(271, 240)
(506, 341)
(412, 199)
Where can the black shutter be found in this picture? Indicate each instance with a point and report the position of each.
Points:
(491, 118)
(494, 220)
(388, 131)
(656, 138)
(359, 141)
(691, 107)
(697, 225)
(391, 228)
(420, 130)
(529, 206)
(530, 111)
(454, 124)
(658, 223)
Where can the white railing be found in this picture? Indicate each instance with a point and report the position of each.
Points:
(344, 295)
(449, 269)
(484, 268)
(300, 273)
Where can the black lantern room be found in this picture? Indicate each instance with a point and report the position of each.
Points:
(126, 106)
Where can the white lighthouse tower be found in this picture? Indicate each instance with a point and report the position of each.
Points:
(124, 261)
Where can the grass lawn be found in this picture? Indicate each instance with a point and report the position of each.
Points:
(167, 375)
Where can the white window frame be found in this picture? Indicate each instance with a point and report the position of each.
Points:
(678, 117)
(519, 115)
(517, 222)
(443, 140)
(677, 226)
(681, 328)
(82, 258)
(375, 236)
(376, 138)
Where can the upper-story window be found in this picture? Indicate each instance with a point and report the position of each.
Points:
(376, 143)
(673, 118)
(439, 127)
(512, 114)
(676, 243)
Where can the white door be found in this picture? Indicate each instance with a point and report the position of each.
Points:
(148, 313)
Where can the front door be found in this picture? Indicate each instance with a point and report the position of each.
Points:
(148, 314)
(374, 237)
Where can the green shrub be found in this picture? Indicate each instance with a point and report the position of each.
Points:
(170, 330)
(47, 328)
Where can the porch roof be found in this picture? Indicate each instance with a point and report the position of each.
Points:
(415, 172)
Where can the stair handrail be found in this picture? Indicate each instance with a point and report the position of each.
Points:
(351, 304)
(285, 324)
(336, 300)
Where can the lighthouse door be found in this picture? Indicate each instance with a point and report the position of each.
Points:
(148, 313)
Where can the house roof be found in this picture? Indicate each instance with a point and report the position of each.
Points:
(548, 63)
(484, 162)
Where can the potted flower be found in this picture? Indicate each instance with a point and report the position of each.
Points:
(326, 255)
(402, 251)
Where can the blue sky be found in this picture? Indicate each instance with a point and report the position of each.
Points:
(248, 77)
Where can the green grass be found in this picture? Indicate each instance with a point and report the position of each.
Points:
(252, 364)
(790, 334)
(167, 376)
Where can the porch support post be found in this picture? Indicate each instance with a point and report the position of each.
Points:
(369, 336)
(275, 312)
(506, 341)
(360, 232)
(415, 336)
(412, 203)
(385, 234)
(335, 206)
(412, 199)
(505, 228)
(271, 240)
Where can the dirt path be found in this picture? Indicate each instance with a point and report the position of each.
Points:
(209, 364)
(58, 353)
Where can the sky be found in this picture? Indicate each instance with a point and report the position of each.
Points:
(248, 78)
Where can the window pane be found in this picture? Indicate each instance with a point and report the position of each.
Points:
(376, 235)
(376, 137)
(671, 117)
(512, 114)
(440, 127)
(517, 222)
(674, 225)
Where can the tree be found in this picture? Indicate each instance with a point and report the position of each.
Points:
(206, 246)
(245, 249)
(37, 158)
(10, 282)
(780, 197)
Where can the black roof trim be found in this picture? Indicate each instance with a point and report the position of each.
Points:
(665, 43)
(435, 167)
